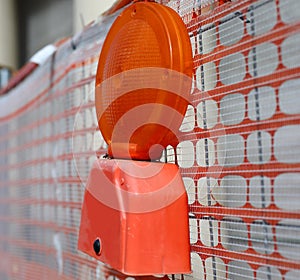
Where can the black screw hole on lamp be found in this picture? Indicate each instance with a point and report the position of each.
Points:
(97, 246)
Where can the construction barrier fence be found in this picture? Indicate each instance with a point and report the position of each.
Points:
(239, 150)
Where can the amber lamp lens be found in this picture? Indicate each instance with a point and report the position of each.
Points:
(143, 81)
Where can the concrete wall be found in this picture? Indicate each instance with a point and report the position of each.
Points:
(46, 22)
(88, 10)
(8, 33)
(27, 26)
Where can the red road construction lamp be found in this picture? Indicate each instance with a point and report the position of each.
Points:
(135, 210)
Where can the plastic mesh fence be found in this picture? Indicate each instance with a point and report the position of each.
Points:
(239, 152)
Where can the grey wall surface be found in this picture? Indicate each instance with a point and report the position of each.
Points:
(42, 22)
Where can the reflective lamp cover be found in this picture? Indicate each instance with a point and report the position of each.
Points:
(143, 81)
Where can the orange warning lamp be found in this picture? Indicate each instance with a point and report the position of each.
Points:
(145, 59)
(135, 210)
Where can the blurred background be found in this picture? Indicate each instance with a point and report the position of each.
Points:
(28, 25)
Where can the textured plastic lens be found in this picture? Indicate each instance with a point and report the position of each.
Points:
(146, 50)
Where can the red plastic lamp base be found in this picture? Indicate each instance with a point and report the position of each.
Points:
(135, 217)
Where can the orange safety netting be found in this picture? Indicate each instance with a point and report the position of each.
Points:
(239, 151)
